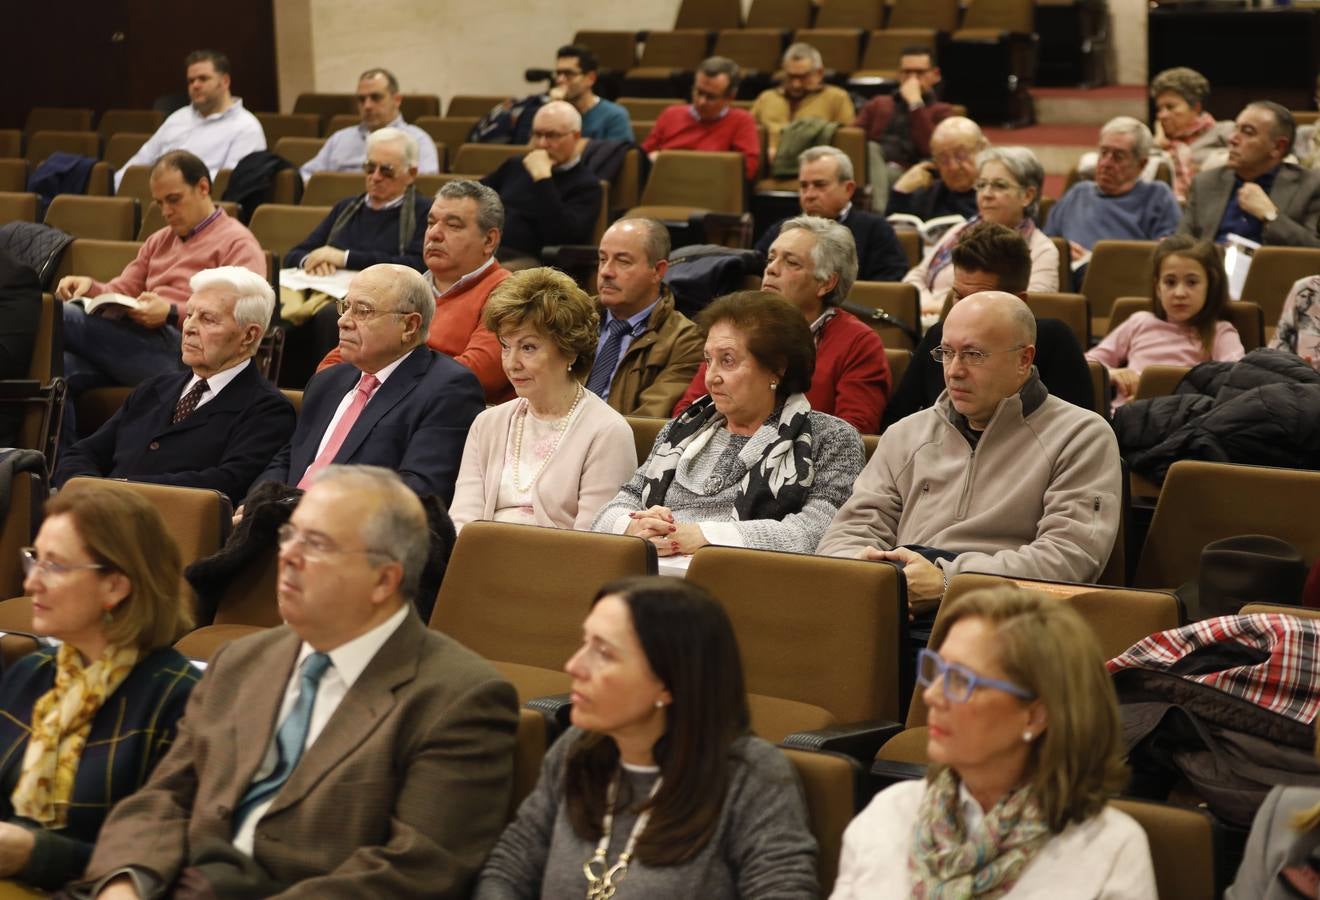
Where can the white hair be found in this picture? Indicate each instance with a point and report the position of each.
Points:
(398, 136)
(254, 300)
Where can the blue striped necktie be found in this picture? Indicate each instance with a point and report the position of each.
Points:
(607, 360)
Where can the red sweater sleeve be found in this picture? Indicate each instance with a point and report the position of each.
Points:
(694, 390)
(864, 382)
(747, 141)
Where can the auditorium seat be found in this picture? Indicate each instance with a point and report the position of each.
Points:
(1064, 250)
(153, 220)
(902, 301)
(1271, 276)
(282, 125)
(1119, 617)
(990, 18)
(527, 618)
(17, 206)
(279, 227)
(80, 143)
(839, 48)
(844, 652)
(136, 183)
(452, 131)
(922, 20)
(96, 218)
(341, 121)
(883, 49)
(668, 60)
(414, 106)
(54, 118)
(1185, 844)
(473, 104)
(899, 360)
(646, 109)
(13, 174)
(1201, 502)
(686, 183)
(1071, 309)
(830, 783)
(328, 188)
(481, 159)
(117, 121)
(1159, 381)
(645, 430)
(1117, 269)
(786, 15)
(323, 106)
(864, 15)
(849, 139)
(756, 51)
(18, 527)
(202, 643)
(709, 14)
(298, 150)
(533, 738)
(120, 147)
(1102, 392)
(1279, 609)
(616, 51)
(1246, 318)
(910, 240)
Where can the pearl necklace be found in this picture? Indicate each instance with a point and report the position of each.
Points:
(518, 438)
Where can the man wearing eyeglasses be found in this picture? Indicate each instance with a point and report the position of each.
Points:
(899, 125)
(802, 94)
(549, 196)
(393, 402)
(997, 477)
(350, 752)
(576, 70)
(385, 224)
(378, 99)
(710, 122)
(945, 184)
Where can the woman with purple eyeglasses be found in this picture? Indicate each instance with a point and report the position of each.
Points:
(1025, 747)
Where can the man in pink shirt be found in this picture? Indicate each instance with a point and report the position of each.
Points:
(709, 122)
(126, 345)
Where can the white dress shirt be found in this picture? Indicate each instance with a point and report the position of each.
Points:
(381, 376)
(215, 384)
(220, 139)
(347, 662)
(346, 150)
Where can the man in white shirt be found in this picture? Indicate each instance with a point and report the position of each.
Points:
(351, 751)
(214, 126)
(378, 98)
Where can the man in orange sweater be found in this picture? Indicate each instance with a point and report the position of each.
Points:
(462, 234)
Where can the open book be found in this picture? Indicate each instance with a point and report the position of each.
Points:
(108, 305)
(1237, 261)
(930, 230)
(335, 285)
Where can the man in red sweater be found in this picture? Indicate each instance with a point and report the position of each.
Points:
(462, 234)
(709, 122)
(813, 263)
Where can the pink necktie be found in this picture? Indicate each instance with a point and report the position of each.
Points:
(366, 386)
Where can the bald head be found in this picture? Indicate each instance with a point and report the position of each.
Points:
(368, 337)
(556, 129)
(954, 145)
(989, 344)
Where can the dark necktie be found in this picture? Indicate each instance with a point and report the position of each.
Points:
(289, 740)
(607, 360)
(188, 402)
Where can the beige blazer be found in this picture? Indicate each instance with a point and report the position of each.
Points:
(596, 455)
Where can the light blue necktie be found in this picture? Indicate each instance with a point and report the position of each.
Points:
(289, 740)
(607, 360)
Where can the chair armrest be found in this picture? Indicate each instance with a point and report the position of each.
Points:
(886, 772)
(726, 229)
(557, 709)
(859, 740)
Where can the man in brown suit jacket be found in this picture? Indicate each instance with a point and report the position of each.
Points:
(402, 762)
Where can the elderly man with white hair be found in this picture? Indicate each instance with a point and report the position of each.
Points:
(998, 476)
(1118, 205)
(549, 197)
(215, 425)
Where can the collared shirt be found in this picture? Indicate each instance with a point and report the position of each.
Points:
(462, 282)
(381, 376)
(220, 139)
(692, 111)
(202, 225)
(844, 213)
(215, 383)
(1237, 221)
(636, 328)
(346, 150)
(347, 662)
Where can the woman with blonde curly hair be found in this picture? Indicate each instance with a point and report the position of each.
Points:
(554, 455)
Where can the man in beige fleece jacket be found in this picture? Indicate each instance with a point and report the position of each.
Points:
(998, 476)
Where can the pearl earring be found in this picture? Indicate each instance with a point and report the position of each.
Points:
(774, 385)
(659, 704)
(1027, 736)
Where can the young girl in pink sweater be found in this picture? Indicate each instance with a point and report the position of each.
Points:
(1188, 325)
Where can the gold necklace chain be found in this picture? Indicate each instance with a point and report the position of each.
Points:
(560, 426)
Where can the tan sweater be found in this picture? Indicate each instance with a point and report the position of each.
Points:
(772, 109)
(1039, 497)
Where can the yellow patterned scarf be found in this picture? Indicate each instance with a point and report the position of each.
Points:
(61, 721)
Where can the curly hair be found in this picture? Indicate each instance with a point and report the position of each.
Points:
(553, 304)
(1187, 83)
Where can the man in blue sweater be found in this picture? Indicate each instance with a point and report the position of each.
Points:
(576, 69)
(1118, 205)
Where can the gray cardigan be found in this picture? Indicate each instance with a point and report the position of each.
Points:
(761, 848)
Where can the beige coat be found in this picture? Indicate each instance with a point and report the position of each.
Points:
(655, 370)
(595, 456)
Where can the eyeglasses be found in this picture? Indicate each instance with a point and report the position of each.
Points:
(386, 170)
(314, 544)
(998, 185)
(567, 73)
(49, 568)
(946, 355)
(362, 312)
(953, 156)
(550, 135)
(960, 682)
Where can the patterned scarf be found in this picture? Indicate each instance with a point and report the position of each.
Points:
(61, 721)
(944, 251)
(947, 864)
(776, 486)
(1180, 151)
(407, 218)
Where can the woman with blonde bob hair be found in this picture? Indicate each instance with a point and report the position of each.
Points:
(1025, 746)
(87, 721)
(554, 455)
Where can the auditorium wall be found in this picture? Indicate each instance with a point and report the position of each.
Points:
(483, 46)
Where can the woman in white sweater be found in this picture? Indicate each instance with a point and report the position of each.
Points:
(1025, 744)
(557, 453)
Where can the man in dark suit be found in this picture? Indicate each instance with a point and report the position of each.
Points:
(394, 402)
(1257, 195)
(350, 752)
(825, 189)
(215, 425)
